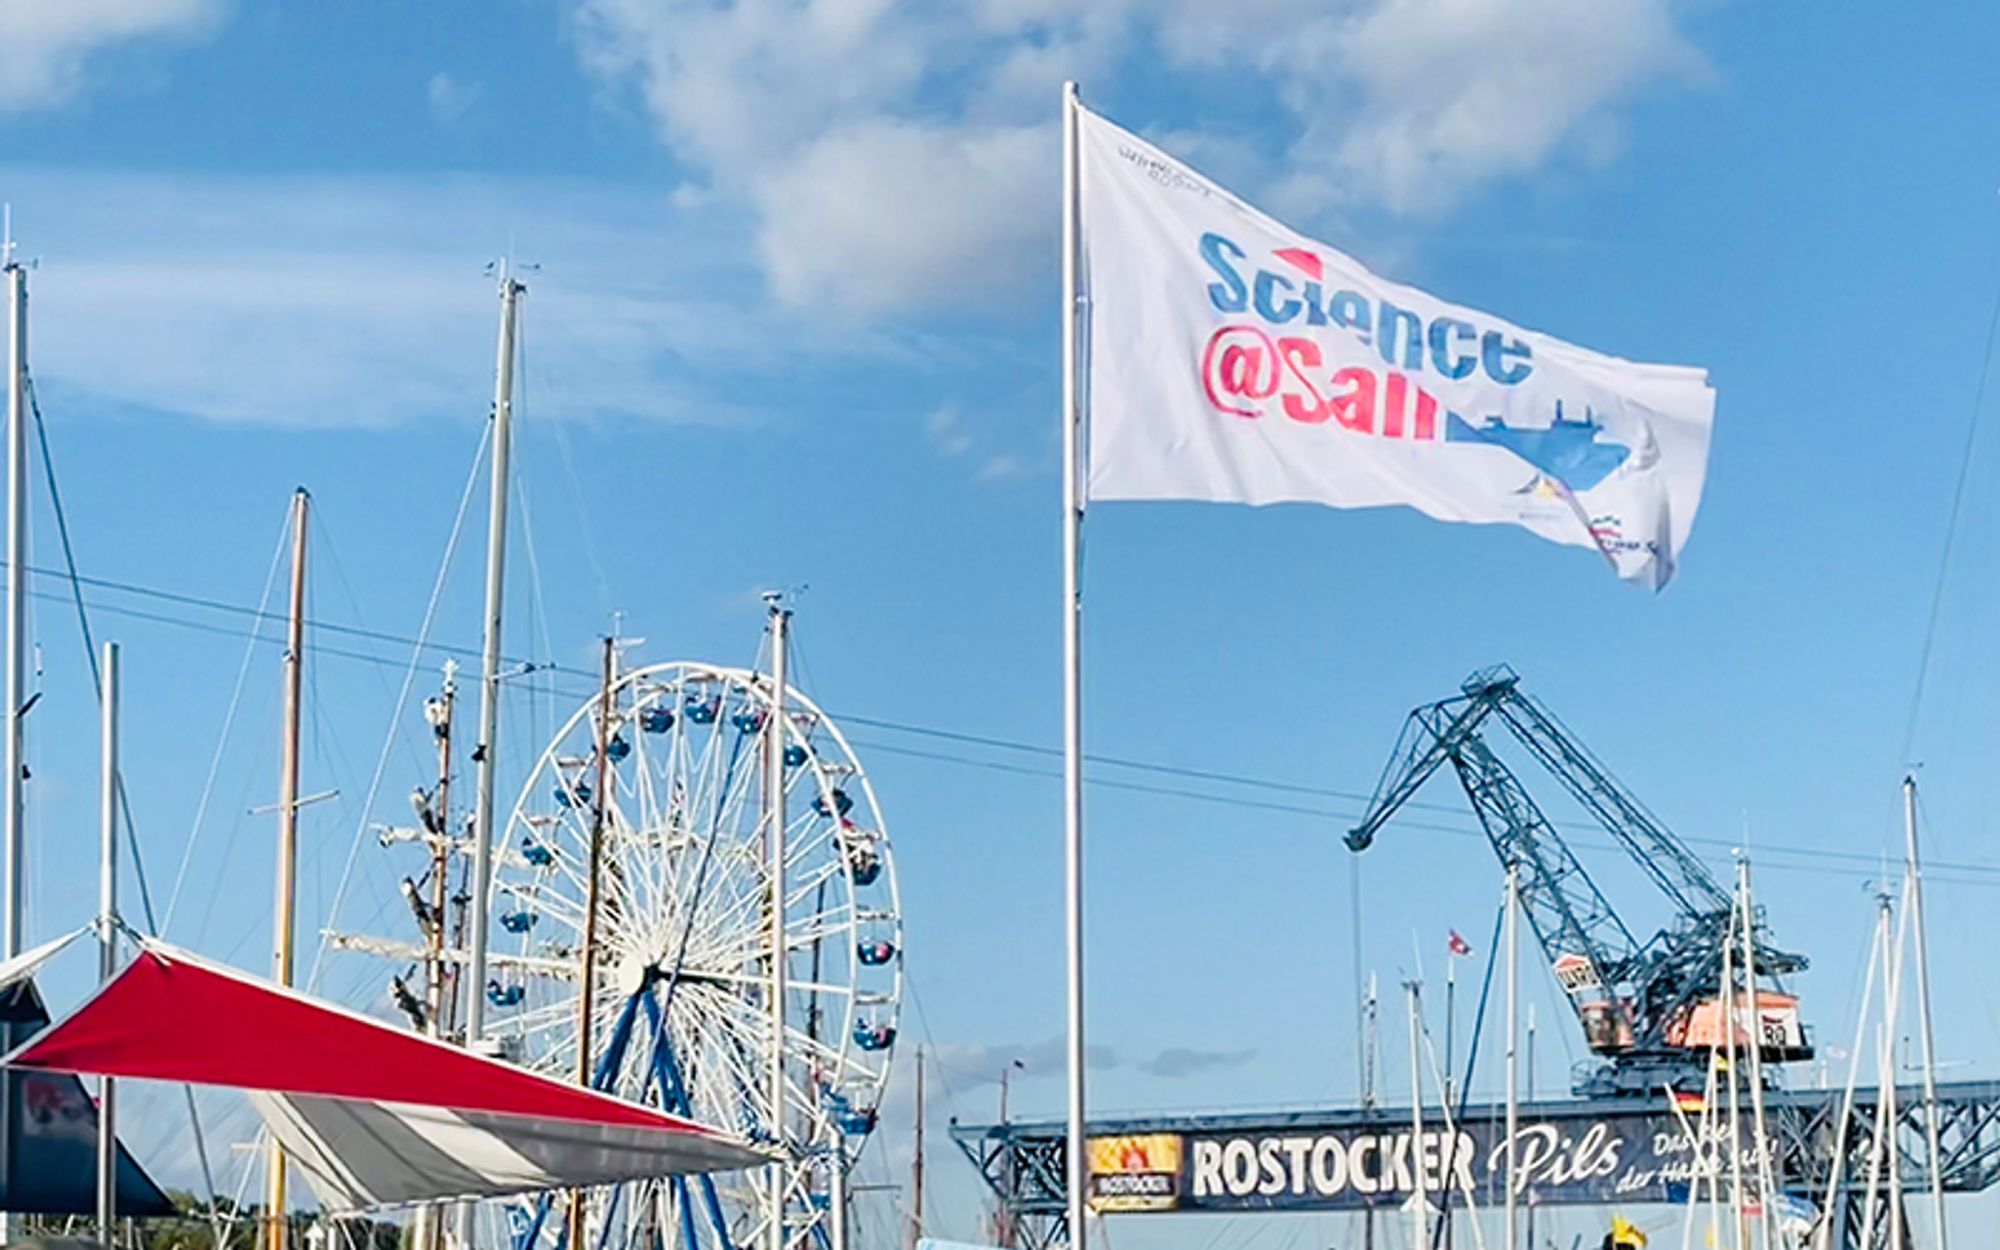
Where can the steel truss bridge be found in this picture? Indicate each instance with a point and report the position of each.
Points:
(1024, 1162)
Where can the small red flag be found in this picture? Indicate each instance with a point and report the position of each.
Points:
(1459, 946)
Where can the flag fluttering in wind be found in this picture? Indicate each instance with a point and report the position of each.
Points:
(1458, 945)
(1231, 359)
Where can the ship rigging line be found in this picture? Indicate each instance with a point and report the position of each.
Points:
(523, 668)
(118, 780)
(417, 645)
(222, 741)
(1951, 528)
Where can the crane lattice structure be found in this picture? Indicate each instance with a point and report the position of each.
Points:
(1634, 999)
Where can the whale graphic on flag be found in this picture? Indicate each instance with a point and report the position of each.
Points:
(1568, 451)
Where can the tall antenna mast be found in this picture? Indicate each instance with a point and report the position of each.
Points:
(288, 829)
(486, 752)
(11, 919)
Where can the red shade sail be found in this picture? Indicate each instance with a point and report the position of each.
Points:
(376, 1115)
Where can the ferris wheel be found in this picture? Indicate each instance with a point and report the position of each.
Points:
(667, 771)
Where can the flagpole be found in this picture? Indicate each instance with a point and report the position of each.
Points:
(1077, 1170)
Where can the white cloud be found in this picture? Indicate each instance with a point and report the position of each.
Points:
(882, 213)
(1521, 79)
(999, 467)
(450, 99)
(46, 45)
(954, 438)
(360, 301)
(900, 155)
(947, 432)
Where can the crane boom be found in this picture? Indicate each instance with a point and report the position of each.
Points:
(1680, 876)
(1644, 1005)
(1564, 906)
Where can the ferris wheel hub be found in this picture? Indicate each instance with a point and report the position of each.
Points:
(630, 973)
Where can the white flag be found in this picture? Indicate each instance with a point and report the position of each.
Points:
(1231, 359)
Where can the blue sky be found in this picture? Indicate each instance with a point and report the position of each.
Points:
(794, 324)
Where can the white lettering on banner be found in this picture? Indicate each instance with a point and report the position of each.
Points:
(1364, 1181)
(1296, 1150)
(1635, 1156)
(1544, 1156)
(1329, 1165)
(1274, 1167)
(1231, 359)
(1239, 1161)
(1430, 1160)
(1397, 1171)
(1301, 1166)
(1207, 1167)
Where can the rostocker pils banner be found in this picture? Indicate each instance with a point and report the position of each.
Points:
(1230, 359)
(1628, 1157)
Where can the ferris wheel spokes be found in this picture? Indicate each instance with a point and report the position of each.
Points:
(686, 937)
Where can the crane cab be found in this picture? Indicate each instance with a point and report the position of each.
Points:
(1607, 1026)
(1773, 1027)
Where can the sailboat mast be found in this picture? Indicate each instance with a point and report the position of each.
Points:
(11, 919)
(17, 587)
(436, 1004)
(1913, 873)
(440, 1003)
(774, 819)
(586, 972)
(1371, 1050)
(107, 958)
(917, 1163)
(1730, 1014)
(1760, 1131)
(288, 829)
(1527, 1059)
(486, 753)
(1420, 1206)
(836, 1185)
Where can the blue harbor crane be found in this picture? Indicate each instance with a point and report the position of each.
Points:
(1649, 1009)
